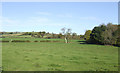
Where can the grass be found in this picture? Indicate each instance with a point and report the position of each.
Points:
(30, 39)
(51, 56)
(0, 57)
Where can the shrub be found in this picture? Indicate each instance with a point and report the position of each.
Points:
(118, 41)
(48, 37)
(27, 41)
(45, 41)
(36, 41)
(4, 41)
(110, 34)
(95, 36)
(20, 41)
(87, 35)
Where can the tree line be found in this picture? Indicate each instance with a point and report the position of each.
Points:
(104, 35)
(64, 33)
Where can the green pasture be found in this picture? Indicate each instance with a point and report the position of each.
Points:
(52, 56)
(30, 39)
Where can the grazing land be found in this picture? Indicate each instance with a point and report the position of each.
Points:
(57, 56)
(59, 36)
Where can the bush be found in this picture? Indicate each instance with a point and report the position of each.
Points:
(105, 35)
(4, 41)
(27, 41)
(36, 41)
(118, 41)
(48, 37)
(87, 35)
(20, 41)
(110, 34)
(95, 36)
(45, 41)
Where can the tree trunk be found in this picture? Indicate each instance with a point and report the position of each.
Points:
(66, 41)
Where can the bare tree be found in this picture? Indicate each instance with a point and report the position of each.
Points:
(43, 33)
(66, 33)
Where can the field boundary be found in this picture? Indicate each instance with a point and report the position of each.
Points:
(60, 72)
(28, 41)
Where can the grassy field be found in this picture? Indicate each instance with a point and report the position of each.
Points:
(30, 39)
(52, 56)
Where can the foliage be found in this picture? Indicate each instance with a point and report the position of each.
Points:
(60, 35)
(118, 39)
(87, 35)
(38, 34)
(32, 34)
(74, 35)
(27, 33)
(105, 34)
(41, 34)
(95, 36)
(20, 41)
(81, 36)
(110, 34)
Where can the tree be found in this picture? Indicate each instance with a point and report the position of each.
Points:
(42, 34)
(105, 34)
(66, 33)
(32, 34)
(81, 36)
(74, 35)
(10, 32)
(95, 36)
(110, 34)
(118, 39)
(38, 34)
(60, 35)
(87, 35)
(53, 35)
(25, 33)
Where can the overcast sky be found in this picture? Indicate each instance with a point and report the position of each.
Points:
(52, 16)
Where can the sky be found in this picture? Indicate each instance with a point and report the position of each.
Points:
(52, 16)
(59, 0)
